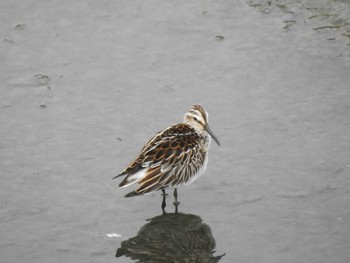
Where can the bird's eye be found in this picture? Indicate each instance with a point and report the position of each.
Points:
(195, 119)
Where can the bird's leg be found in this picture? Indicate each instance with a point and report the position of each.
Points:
(176, 203)
(163, 203)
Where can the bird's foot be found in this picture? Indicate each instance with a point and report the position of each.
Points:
(176, 204)
(164, 194)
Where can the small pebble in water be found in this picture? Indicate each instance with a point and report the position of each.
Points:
(20, 26)
(219, 37)
(113, 235)
(42, 79)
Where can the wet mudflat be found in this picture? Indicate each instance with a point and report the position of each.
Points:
(85, 84)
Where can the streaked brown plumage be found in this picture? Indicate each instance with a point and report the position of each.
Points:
(176, 155)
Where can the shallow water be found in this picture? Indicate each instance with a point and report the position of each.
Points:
(85, 84)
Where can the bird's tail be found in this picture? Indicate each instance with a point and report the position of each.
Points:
(132, 194)
(131, 178)
(118, 175)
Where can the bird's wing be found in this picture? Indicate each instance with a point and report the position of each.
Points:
(168, 159)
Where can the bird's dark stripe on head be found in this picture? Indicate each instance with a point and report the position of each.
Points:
(197, 108)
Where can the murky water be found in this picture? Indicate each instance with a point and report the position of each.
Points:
(85, 84)
(320, 27)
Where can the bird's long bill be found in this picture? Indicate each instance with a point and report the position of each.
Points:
(212, 134)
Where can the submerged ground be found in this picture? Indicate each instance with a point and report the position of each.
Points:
(84, 84)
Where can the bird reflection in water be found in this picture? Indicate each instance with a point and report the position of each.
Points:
(173, 237)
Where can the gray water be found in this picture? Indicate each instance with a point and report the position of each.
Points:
(84, 84)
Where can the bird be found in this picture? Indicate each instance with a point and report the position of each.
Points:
(175, 156)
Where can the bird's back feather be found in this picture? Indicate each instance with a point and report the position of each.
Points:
(171, 157)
